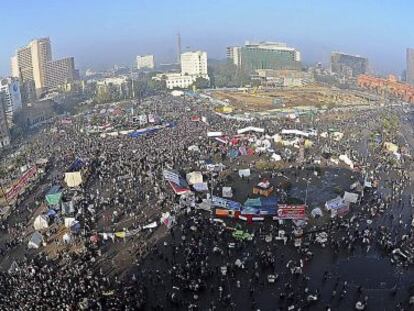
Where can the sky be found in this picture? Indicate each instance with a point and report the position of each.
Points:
(102, 33)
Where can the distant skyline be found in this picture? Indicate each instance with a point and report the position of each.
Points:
(104, 33)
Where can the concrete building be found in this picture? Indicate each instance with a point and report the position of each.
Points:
(176, 80)
(283, 78)
(12, 99)
(194, 64)
(34, 63)
(265, 55)
(145, 62)
(60, 71)
(233, 54)
(348, 65)
(409, 73)
(4, 129)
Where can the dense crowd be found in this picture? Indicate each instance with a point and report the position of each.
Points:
(196, 264)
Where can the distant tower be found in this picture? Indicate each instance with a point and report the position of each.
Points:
(178, 48)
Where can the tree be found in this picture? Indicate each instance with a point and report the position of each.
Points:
(201, 83)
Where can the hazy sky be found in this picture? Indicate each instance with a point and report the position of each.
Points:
(102, 32)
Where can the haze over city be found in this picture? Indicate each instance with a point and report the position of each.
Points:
(102, 33)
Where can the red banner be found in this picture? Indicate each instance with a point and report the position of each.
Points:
(21, 183)
(286, 211)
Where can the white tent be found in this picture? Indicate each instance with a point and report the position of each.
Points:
(344, 158)
(36, 240)
(194, 148)
(275, 157)
(41, 222)
(250, 129)
(73, 179)
(227, 192)
(244, 172)
(350, 197)
(194, 178)
(69, 221)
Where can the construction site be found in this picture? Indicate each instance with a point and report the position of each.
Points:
(313, 96)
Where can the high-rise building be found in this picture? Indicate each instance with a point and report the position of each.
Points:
(145, 62)
(194, 64)
(34, 63)
(348, 65)
(4, 129)
(60, 71)
(233, 54)
(409, 73)
(265, 55)
(12, 100)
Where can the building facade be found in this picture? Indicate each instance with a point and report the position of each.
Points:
(59, 72)
(34, 63)
(12, 99)
(233, 54)
(409, 73)
(4, 128)
(194, 64)
(265, 55)
(177, 80)
(348, 65)
(145, 62)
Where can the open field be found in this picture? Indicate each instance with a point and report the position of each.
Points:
(315, 96)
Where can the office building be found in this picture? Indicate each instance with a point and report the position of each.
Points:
(12, 100)
(60, 71)
(233, 54)
(194, 64)
(145, 62)
(176, 80)
(409, 73)
(348, 65)
(264, 55)
(4, 129)
(34, 63)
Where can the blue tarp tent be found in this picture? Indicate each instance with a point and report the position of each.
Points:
(256, 203)
(269, 201)
(76, 165)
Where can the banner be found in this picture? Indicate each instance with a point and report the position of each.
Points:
(21, 183)
(291, 211)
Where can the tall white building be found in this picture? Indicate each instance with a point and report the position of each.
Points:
(194, 64)
(11, 96)
(145, 62)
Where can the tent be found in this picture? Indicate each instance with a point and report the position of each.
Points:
(227, 192)
(54, 195)
(244, 172)
(344, 158)
(350, 197)
(77, 165)
(69, 221)
(73, 179)
(276, 158)
(41, 222)
(250, 129)
(194, 178)
(36, 240)
(200, 187)
(390, 147)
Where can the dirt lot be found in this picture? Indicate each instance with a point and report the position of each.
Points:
(316, 96)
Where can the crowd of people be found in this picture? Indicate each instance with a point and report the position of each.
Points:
(195, 263)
